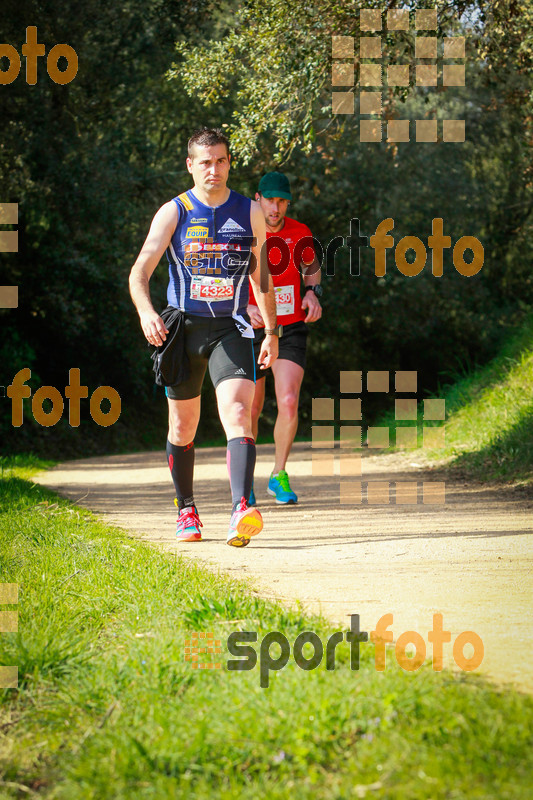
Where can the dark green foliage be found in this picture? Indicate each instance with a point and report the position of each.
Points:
(280, 59)
(89, 163)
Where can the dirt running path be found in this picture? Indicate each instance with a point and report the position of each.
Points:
(470, 559)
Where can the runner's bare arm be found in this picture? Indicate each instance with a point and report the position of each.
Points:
(312, 275)
(161, 230)
(261, 278)
(260, 273)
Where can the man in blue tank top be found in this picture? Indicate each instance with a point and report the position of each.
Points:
(213, 238)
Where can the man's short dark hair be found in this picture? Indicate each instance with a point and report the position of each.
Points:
(207, 137)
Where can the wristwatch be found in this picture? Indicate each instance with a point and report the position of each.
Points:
(316, 289)
(277, 331)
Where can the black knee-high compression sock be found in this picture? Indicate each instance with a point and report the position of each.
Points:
(181, 465)
(240, 459)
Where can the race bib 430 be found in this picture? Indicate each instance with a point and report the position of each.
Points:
(284, 300)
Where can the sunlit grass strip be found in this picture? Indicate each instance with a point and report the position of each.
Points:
(489, 416)
(109, 708)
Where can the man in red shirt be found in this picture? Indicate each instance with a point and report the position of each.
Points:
(286, 239)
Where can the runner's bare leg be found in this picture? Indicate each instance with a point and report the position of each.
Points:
(235, 397)
(288, 378)
(183, 419)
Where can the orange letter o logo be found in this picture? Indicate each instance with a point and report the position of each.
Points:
(410, 243)
(52, 417)
(105, 392)
(468, 664)
(468, 243)
(67, 75)
(410, 664)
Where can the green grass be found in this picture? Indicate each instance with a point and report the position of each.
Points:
(490, 430)
(108, 708)
(489, 416)
(22, 466)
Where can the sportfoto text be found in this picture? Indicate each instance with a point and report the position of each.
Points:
(380, 242)
(237, 646)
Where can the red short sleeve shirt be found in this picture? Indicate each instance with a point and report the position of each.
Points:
(294, 238)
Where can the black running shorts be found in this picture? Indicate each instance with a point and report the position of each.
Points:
(217, 343)
(292, 345)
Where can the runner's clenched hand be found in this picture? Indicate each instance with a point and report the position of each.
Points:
(255, 317)
(312, 304)
(269, 351)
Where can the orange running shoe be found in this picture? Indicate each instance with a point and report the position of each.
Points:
(245, 522)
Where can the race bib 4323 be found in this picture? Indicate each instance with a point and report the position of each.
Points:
(209, 289)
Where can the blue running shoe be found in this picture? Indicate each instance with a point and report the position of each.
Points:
(279, 487)
(252, 501)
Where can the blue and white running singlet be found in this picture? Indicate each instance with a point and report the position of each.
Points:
(209, 257)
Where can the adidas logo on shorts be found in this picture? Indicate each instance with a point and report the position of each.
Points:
(230, 226)
(240, 371)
